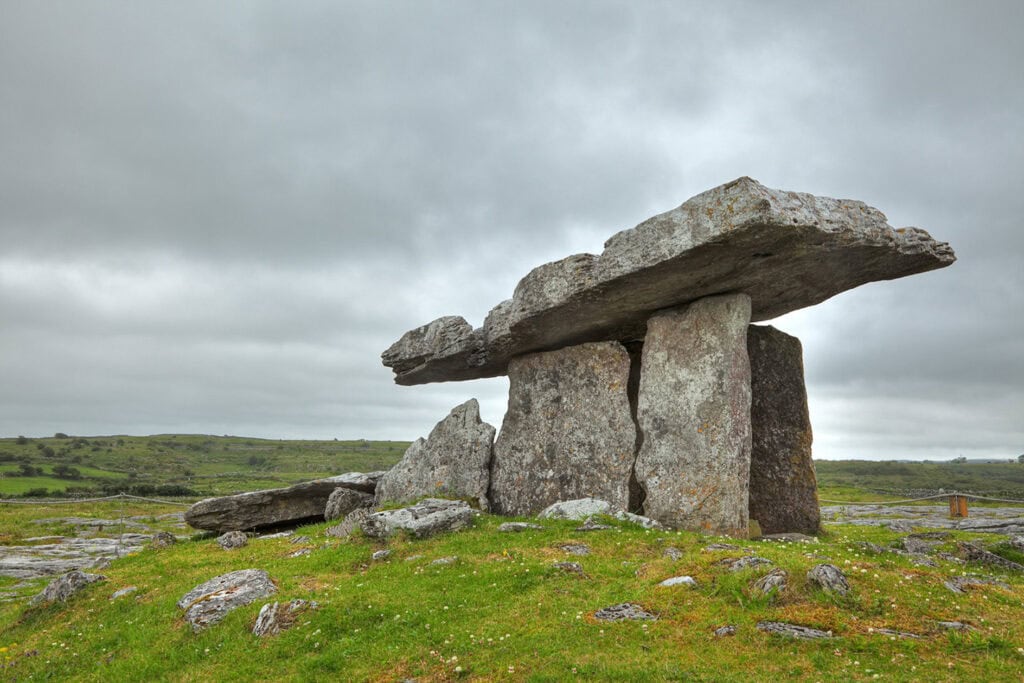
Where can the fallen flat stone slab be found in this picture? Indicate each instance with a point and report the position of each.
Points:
(893, 633)
(786, 250)
(426, 518)
(211, 601)
(973, 553)
(792, 630)
(518, 527)
(625, 611)
(296, 504)
(454, 461)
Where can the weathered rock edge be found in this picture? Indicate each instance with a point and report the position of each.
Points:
(786, 250)
(259, 509)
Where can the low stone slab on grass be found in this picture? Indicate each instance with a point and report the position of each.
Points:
(426, 518)
(792, 630)
(209, 602)
(296, 504)
(626, 611)
(680, 581)
(518, 527)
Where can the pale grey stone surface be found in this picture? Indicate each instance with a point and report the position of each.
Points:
(623, 612)
(63, 587)
(275, 617)
(232, 540)
(783, 487)
(454, 461)
(786, 250)
(426, 518)
(694, 413)
(303, 502)
(568, 432)
(792, 630)
(775, 580)
(829, 578)
(680, 581)
(128, 590)
(578, 509)
(344, 500)
(209, 602)
(352, 521)
(518, 527)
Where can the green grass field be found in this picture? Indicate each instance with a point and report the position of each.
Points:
(205, 465)
(501, 613)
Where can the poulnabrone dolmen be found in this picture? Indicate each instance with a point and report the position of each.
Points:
(636, 376)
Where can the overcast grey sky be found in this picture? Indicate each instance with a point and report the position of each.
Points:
(215, 216)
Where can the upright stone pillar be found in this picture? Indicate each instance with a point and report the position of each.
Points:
(568, 432)
(783, 489)
(693, 411)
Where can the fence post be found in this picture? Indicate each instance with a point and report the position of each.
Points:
(958, 506)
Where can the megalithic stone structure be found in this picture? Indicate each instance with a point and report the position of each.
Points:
(783, 488)
(568, 432)
(694, 412)
(713, 426)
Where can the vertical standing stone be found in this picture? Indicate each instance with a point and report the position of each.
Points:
(694, 412)
(454, 461)
(568, 432)
(783, 490)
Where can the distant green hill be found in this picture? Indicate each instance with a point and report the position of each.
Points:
(178, 464)
(998, 479)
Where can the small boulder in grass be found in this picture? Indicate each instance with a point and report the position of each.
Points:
(275, 617)
(343, 501)
(162, 539)
(64, 586)
(680, 581)
(724, 631)
(829, 578)
(232, 540)
(773, 581)
(209, 602)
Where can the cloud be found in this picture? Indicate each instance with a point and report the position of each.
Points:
(214, 219)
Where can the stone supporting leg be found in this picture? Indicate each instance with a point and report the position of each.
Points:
(694, 412)
(568, 432)
(783, 490)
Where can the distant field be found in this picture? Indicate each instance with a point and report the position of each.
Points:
(182, 464)
(862, 479)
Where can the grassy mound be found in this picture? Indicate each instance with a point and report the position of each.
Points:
(502, 612)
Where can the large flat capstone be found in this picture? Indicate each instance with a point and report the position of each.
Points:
(694, 413)
(785, 250)
(272, 507)
(568, 432)
(453, 462)
(783, 488)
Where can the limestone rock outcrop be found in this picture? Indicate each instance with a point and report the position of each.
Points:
(568, 432)
(454, 461)
(209, 602)
(297, 504)
(785, 250)
(783, 488)
(694, 413)
(428, 517)
(343, 501)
